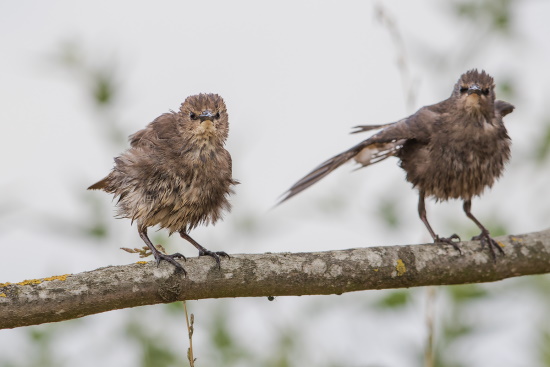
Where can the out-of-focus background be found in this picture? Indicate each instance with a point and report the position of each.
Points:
(78, 77)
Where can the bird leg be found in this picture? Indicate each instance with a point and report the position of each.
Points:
(435, 237)
(484, 237)
(203, 251)
(159, 256)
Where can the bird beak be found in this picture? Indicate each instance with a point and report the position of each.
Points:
(474, 89)
(205, 116)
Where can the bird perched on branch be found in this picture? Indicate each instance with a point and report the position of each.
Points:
(450, 150)
(176, 174)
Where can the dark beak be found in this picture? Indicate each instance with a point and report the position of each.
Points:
(474, 89)
(205, 115)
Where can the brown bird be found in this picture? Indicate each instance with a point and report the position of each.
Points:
(177, 173)
(450, 150)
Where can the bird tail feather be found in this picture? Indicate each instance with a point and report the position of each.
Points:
(320, 172)
(100, 185)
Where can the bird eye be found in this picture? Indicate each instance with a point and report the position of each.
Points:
(192, 116)
(485, 91)
(463, 89)
(217, 115)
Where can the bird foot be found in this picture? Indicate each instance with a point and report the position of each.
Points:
(215, 254)
(449, 241)
(487, 240)
(159, 256)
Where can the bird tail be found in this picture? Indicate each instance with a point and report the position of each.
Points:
(363, 128)
(100, 185)
(365, 153)
(318, 173)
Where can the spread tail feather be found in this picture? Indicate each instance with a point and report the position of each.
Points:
(363, 128)
(100, 185)
(318, 173)
(367, 152)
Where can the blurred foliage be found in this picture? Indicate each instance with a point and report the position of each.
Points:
(248, 223)
(96, 225)
(542, 147)
(495, 14)
(506, 88)
(156, 350)
(100, 81)
(454, 326)
(545, 347)
(103, 89)
(394, 299)
(43, 356)
(39, 352)
(388, 211)
(466, 293)
(282, 354)
(225, 349)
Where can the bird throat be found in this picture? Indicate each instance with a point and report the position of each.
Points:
(205, 133)
(473, 104)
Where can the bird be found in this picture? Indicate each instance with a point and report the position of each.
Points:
(176, 174)
(453, 149)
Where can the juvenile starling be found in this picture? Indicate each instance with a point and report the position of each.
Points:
(450, 150)
(176, 174)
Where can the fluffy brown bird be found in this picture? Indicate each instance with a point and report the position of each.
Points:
(450, 150)
(177, 173)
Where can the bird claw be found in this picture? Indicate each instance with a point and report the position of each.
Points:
(159, 256)
(449, 241)
(215, 254)
(487, 240)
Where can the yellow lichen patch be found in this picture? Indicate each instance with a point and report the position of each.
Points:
(3, 295)
(375, 269)
(57, 277)
(501, 244)
(4, 284)
(141, 262)
(30, 281)
(515, 239)
(401, 269)
(38, 281)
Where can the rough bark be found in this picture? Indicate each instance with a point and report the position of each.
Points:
(67, 297)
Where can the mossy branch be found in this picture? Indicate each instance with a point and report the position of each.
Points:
(67, 297)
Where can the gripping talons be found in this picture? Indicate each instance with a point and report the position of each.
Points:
(159, 256)
(453, 240)
(215, 254)
(486, 240)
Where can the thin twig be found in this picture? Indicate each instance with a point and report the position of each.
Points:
(430, 315)
(402, 61)
(190, 330)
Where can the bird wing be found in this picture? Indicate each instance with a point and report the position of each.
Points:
(384, 144)
(161, 128)
(503, 108)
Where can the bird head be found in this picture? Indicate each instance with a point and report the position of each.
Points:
(475, 91)
(203, 117)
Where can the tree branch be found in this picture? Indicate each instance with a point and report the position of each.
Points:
(258, 275)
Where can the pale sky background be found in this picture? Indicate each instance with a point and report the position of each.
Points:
(296, 76)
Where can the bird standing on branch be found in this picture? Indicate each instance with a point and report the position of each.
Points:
(450, 150)
(177, 173)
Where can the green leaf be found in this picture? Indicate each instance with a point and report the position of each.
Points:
(542, 150)
(466, 292)
(395, 299)
(388, 211)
